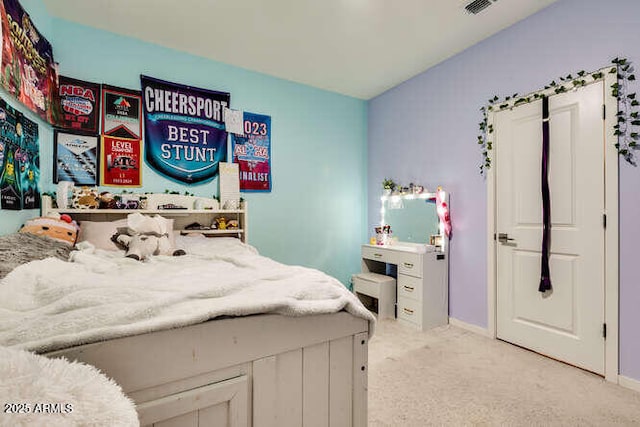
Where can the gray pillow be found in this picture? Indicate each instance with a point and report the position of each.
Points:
(20, 248)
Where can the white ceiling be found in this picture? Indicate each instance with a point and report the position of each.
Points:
(358, 48)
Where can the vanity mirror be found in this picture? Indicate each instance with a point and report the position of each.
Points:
(413, 218)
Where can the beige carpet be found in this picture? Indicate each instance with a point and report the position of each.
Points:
(451, 377)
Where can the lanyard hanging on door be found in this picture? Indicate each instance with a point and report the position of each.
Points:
(545, 277)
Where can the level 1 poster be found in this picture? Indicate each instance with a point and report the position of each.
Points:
(79, 105)
(75, 158)
(28, 70)
(120, 162)
(185, 137)
(121, 112)
(252, 151)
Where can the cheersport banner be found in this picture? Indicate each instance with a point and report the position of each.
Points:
(252, 152)
(185, 137)
(28, 70)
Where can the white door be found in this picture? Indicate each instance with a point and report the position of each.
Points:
(567, 322)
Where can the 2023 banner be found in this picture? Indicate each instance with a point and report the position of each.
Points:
(252, 151)
(185, 137)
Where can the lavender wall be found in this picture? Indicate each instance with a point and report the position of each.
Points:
(425, 131)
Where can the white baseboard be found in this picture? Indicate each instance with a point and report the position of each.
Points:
(629, 382)
(470, 327)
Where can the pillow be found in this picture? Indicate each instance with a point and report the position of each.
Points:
(56, 229)
(99, 233)
(19, 248)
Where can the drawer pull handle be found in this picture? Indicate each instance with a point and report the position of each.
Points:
(408, 265)
(408, 311)
(377, 255)
(408, 288)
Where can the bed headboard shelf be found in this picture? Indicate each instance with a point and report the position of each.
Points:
(181, 217)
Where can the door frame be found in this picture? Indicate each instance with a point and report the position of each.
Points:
(611, 249)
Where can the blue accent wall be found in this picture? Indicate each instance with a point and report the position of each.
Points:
(425, 131)
(315, 214)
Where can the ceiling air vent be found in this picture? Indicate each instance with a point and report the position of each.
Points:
(477, 6)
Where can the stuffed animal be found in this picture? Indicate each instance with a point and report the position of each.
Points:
(221, 223)
(145, 236)
(85, 198)
(62, 229)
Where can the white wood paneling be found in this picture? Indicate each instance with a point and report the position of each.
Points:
(185, 352)
(185, 420)
(341, 382)
(315, 389)
(360, 379)
(216, 415)
(233, 391)
(282, 359)
(277, 390)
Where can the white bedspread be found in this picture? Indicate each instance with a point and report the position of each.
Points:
(50, 304)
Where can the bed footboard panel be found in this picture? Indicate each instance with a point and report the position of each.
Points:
(265, 370)
(322, 384)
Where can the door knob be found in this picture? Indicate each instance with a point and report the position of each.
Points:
(504, 238)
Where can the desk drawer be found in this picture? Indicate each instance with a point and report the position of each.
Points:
(410, 264)
(410, 310)
(409, 287)
(379, 254)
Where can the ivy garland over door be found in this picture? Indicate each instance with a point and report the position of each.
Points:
(626, 128)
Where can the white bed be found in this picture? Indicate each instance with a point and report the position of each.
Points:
(295, 356)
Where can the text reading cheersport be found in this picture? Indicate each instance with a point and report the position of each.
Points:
(165, 101)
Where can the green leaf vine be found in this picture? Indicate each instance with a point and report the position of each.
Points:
(628, 116)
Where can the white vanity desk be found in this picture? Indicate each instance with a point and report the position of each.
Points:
(422, 282)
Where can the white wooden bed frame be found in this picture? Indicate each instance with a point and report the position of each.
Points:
(261, 370)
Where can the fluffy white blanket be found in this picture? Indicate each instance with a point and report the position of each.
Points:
(51, 304)
(37, 391)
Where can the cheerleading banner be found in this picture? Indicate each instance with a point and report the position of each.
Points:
(80, 105)
(252, 151)
(185, 137)
(121, 112)
(75, 158)
(28, 70)
(120, 162)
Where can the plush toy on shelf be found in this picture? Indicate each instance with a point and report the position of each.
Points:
(85, 198)
(221, 223)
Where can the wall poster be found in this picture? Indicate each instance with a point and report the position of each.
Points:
(120, 162)
(79, 105)
(29, 159)
(252, 151)
(28, 70)
(19, 160)
(75, 158)
(121, 112)
(185, 137)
